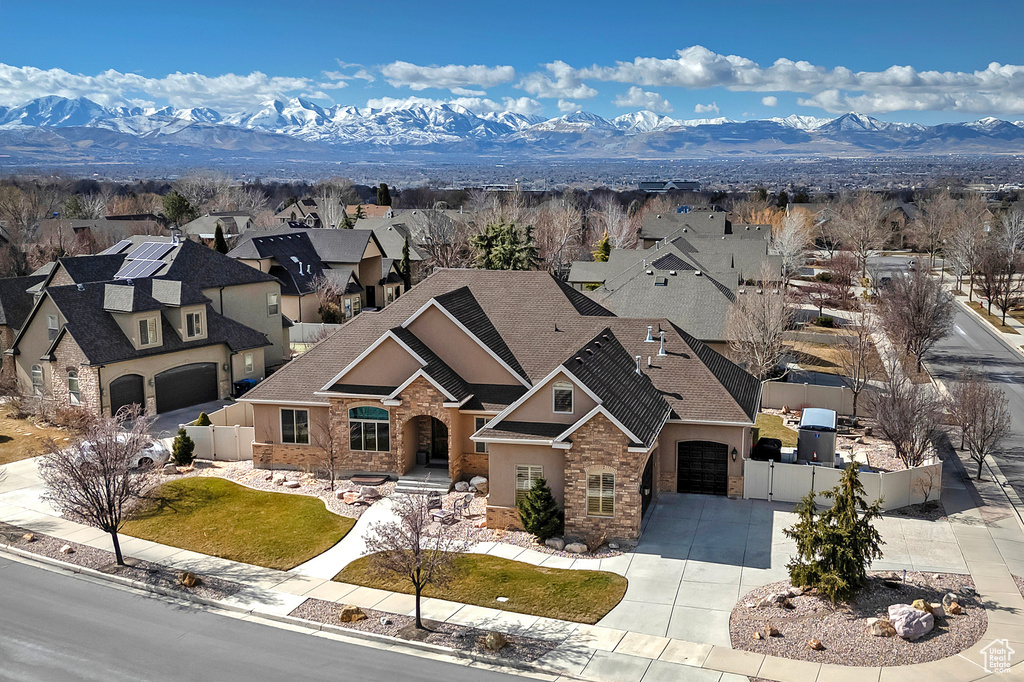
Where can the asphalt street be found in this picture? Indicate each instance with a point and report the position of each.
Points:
(972, 343)
(55, 626)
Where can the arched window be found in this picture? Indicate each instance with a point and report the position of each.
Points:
(37, 379)
(74, 396)
(369, 429)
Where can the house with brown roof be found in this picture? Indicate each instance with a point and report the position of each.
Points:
(459, 378)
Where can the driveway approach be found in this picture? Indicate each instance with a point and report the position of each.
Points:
(700, 554)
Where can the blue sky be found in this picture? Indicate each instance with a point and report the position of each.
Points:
(683, 59)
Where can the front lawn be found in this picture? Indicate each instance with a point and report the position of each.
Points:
(21, 439)
(580, 596)
(217, 517)
(771, 426)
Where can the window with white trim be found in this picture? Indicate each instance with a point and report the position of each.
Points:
(193, 325)
(248, 363)
(295, 426)
(37, 379)
(391, 295)
(601, 494)
(480, 422)
(74, 394)
(526, 476)
(52, 327)
(272, 305)
(356, 305)
(369, 429)
(348, 308)
(147, 332)
(561, 400)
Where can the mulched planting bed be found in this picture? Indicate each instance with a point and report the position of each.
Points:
(843, 629)
(926, 511)
(443, 634)
(103, 560)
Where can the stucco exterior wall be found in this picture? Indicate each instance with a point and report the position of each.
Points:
(504, 457)
(267, 421)
(733, 436)
(460, 352)
(387, 365)
(259, 370)
(540, 406)
(152, 365)
(247, 304)
(33, 344)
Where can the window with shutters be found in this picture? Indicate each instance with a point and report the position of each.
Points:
(480, 422)
(526, 475)
(600, 494)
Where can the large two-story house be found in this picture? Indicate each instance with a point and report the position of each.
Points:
(515, 376)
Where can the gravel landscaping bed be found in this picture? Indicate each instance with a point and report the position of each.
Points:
(262, 479)
(1020, 584)
(444, 634)
(843, 629)
(103, 560)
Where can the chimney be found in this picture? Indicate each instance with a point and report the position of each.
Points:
(650, 335)
(661, 351)
(638, 365)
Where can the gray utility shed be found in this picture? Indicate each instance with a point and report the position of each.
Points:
(816, 438)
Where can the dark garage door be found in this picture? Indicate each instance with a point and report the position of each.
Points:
(703, 467)
(125, 391)
(186, 385)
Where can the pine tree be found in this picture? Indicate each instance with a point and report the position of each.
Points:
(347, 223)
(219, 243)
(405, 265)
(360, 213)
(203, 419)
(183, 449)
(835, 547)
(539, 512)
(177, 209)
(529, 258)
(383, 195)
(603, 249)
(74, 208)
(484, 243)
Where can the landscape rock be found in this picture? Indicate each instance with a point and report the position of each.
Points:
(955, 609)
(773, 631)
(462, 487)
(968, 591)
(613, 545)
(384, 620)
(67, 549)
(938, 611)
(774, 599)
(480, 483)
(351, 614)
(369, 492)
(576, 548)
(495, 641)
(340, 494)
(949, 599)
(29, 537)
(278, 479)
(555, 543)
(188, 579)
(757, 635)
(482, 523)
(796, 591)
(909, 622)
(881, 628)
(922, 605)
(815, 644)
(350, 498)
(291, 484)
(868, 431)
(170, 469)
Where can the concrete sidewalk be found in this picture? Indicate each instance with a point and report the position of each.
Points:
(982, 526)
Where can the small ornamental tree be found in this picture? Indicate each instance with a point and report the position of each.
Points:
(602, 249)
(183, 449)
(203, 419)
(539, 512)
(405, 265)
(835, 547)
(220, 245)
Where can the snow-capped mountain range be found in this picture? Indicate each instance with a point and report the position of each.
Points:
(49, 124)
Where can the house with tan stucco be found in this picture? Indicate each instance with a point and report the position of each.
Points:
(516, 376)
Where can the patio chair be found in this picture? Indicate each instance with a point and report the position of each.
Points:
(433, 501)
(461, 506)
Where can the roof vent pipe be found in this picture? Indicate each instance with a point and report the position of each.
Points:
(661, 351)
(650, 335)
(648, 362)
(638, 365)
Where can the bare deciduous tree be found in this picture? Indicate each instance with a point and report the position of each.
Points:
(407, 550)
(859, 363)
(843, 267)
(329, 438)
(444, 238)
(202, 189)
(791, 241)
(982, 412)
(610, 217)
(559, 234)
(756, 324)
(908, 415)
(330, 196)
(933, 223)
(916, 312)
(93, 479)
(860, 219)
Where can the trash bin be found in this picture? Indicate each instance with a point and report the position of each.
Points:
(421, 457)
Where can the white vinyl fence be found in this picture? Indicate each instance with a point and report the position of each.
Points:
(307, 332)
(790, 482)
(778, 394)
(229, 437)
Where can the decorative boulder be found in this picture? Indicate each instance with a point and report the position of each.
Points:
(29, 537)
(495, 641)
(67, 549)
(815, 645)
(482, 523)
(910, 623)
(188, 579)
(954, 609)
(881, 628)
(480, 483)
(350, 498)
(351, 614)
(462, 487)
(369, 492)
(950, 598)
(773, 631)
(756, 635)
(922, 605)
(170, 469)
(278, 479)
(291, 484)
(555, 543)
(776, 599)
(575, 548)
(938, 611)
(340, 494)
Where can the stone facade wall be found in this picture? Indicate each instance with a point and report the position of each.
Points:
(284, 456)
(503, 518)
(475, 464)
(70, 358)
(600, 446)
(421, 398)
(6, 361)
(61, 278)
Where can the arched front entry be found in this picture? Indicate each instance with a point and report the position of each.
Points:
(427, 438)
(127, 390)
(703, 467)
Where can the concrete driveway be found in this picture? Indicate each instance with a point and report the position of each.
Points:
(699, 554)
(166, 424)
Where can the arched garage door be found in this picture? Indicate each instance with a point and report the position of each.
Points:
(703, 467)
(127, 390)
(186, 385)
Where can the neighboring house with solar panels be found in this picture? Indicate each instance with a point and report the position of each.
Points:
(153, 321)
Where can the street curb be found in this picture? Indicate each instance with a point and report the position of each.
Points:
(288, 620)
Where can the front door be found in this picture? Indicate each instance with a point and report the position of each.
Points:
(438, 442)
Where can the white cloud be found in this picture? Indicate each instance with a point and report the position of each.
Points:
(478, 105)
(770, 101)
(467, 92)
(566, 83)
(361, 72)
(567, 107)
(637, 97)
(707, 108)
(451, 77)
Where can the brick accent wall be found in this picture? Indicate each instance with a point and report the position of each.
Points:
(600, 446)
(735, 486)
(475, 464)
(421, 398)
(70, 358)
(284, 456)
(503, 517)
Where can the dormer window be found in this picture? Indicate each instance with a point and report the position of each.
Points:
(562, 398)
(194, 325)
(52, 327)
(147, 332)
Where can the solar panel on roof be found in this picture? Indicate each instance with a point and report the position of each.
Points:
(138, 268)
(117, 248)
(151, 251)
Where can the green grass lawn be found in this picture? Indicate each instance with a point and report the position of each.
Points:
(217, 517)
(580, 596)
(770, 426)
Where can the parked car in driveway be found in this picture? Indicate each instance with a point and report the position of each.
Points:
(154, 453)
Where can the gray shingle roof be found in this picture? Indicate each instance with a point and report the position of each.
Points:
(15, 300)
(523, 430)
(331, 245)
(464, 307)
